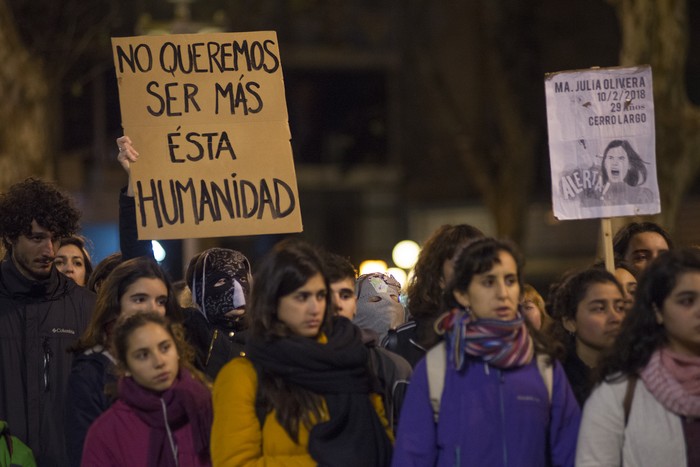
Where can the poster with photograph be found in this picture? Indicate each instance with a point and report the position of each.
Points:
(208, 115)
(602, 143)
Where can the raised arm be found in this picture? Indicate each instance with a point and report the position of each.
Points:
(129, 244)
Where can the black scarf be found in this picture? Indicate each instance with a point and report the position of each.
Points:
(337, 370)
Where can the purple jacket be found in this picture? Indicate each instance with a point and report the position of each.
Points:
(489, 417)
(119, 437)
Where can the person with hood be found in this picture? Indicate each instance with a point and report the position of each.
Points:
(42, 313)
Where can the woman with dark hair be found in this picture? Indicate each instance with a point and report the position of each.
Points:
(102, 270)
(431, 274)
(497, 405)
(623, 174)
(135, 286)
(639, 243)
(163, 412)
(73, 259)
(587, 307)
(302, 395)
(646, 411)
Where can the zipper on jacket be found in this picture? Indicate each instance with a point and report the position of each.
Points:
(501, 382)
(48, 354)
(211, 346)
(173, 446)
(458, 460)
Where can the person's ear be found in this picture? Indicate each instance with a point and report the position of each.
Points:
(461, 297)
(569, 324)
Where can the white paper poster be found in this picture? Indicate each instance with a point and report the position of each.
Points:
(602, 142)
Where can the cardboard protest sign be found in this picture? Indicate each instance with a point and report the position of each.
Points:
(207, 114)
(602, 142)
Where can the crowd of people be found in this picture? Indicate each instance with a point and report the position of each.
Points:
(297, 361)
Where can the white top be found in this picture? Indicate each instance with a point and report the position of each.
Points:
(653, 436)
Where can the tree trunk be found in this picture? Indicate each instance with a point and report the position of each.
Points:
(655, 32)
(23, 118)
(486, 125)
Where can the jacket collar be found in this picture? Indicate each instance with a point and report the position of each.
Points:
(17, 286)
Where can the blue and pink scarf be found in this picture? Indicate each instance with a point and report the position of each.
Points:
(503, 344)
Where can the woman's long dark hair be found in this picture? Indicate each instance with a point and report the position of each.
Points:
(479, 257)
(288, 266)
(637, 171)
(108, 304)
(641, 334)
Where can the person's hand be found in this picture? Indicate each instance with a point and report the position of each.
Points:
(127, 153)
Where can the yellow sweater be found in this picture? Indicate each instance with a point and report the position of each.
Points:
(236, 438)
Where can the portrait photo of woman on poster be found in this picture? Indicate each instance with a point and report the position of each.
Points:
(623, 173)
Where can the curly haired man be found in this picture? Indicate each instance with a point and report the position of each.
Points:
(42, 312)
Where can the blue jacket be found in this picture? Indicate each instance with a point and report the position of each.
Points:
(489, 417)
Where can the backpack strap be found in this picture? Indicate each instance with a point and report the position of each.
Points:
(544, 364)
(435, 367)
(629, 395)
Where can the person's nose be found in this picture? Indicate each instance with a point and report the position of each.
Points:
(158, 360)
(317, 305)
(615, 314)
(50, 247)
(501, 289)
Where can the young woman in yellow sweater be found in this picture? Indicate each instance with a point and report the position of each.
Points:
(303, 394)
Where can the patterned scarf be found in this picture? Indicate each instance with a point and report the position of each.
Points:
(503, 344)
(674, 380)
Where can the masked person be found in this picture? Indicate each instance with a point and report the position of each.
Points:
(378, 305)
(219, 279)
